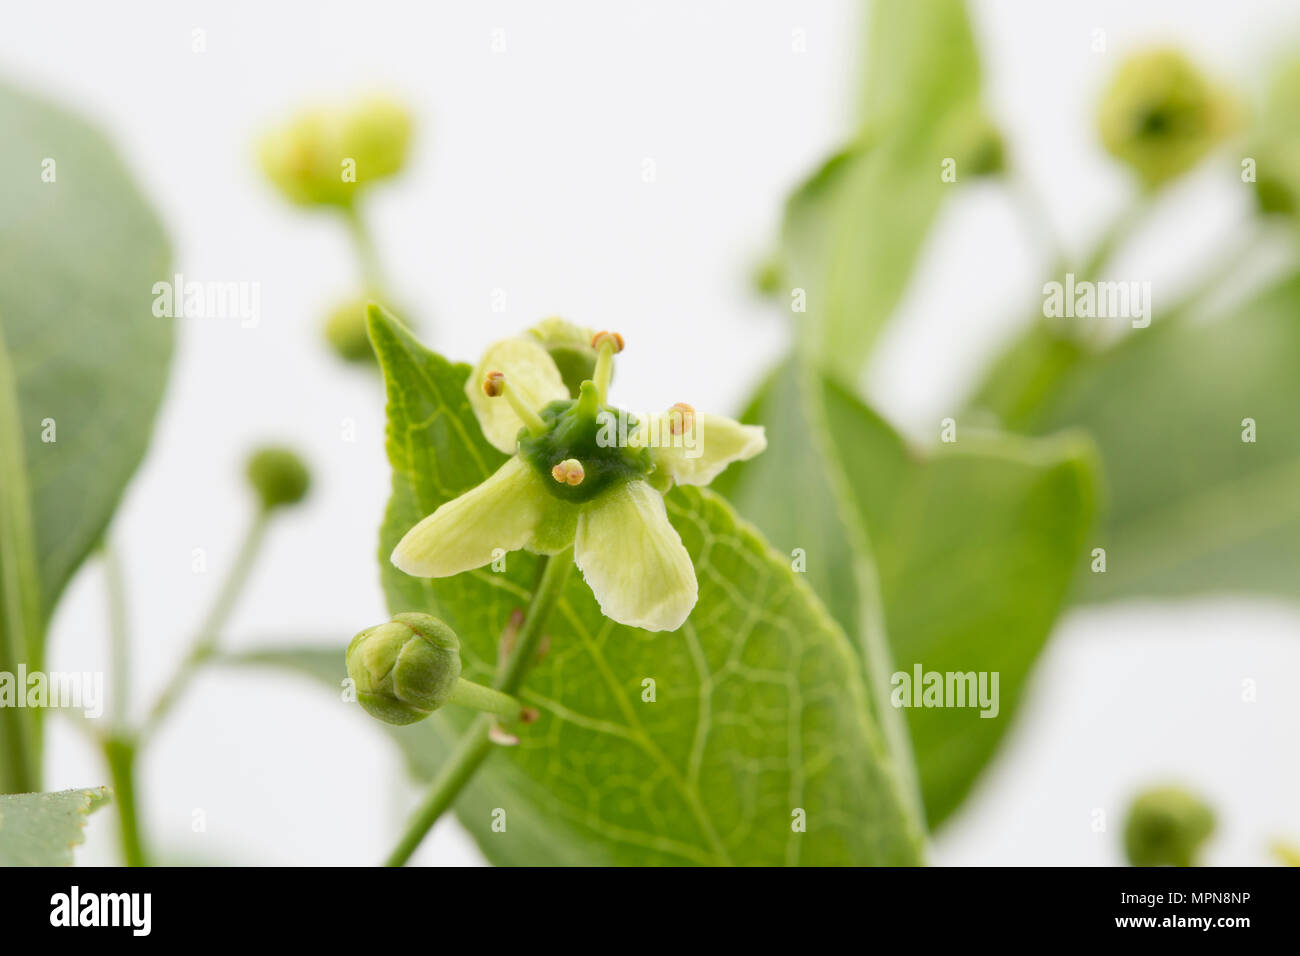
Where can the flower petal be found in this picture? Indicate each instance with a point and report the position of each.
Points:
(698, 454)
(511, 510)
(530, 372)
(634, 560)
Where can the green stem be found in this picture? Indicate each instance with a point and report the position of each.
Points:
(1217, 274)
(466, 693)
(205, 641)
(363, 243)
(476, 744)
(1035, 217)
(1118, 233)
(22, 616)
(120, 752)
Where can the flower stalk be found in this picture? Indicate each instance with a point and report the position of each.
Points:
(474, 747)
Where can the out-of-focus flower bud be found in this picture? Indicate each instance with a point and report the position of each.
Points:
(1161, 116)
(377, 131)
(345, 331)
(1276, 146)
(323, 156)
(1166, 827)
(985, 151)
(279, 477)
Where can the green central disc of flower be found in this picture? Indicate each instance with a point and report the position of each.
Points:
(594, 435)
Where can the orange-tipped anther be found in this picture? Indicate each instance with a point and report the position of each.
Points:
(613, 338)
(681, 418)
(494, 384)
(569, 472)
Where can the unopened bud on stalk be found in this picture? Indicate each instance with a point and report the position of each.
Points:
(279, 477)
(1161, 116)
(345, 331)
(406, 669)
(1166, 827)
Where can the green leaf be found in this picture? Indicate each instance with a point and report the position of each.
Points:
(759, 708)
(82, 361)
(1191, 506)
(976, 544)
(853, 232)
(42, 829)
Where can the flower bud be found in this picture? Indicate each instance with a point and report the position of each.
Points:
(1276, 145)
(983, 150)
(377, 133)
(345, 331)
(323, 156)
(406, 669)
(1165, 827)
(279, 477)
(1161, 116)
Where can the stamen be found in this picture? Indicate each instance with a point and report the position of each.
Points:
(611, 338)
(681, 418)
(495, 386)
(569, 472)
(588, 400)
(606, 345)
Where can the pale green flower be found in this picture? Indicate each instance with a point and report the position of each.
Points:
(583, 475)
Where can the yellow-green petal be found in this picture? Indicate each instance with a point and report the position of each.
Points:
(509, 511)
(634, 560)
(698, 455)
(530, 372)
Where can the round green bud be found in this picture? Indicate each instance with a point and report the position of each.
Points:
(406, 669)
(279, 477)
(985, 151)
(768, 276)
(1276, 145)
(377, 133)
(345, 331)
(1165, 827)
(322, 156)
(1161, 116)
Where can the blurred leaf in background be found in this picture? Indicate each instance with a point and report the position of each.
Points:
(853, 232)
(975, 543)
(83, 363)
(1197, 427)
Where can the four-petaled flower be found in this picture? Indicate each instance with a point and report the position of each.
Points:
(582, 475)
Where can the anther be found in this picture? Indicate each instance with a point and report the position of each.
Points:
(606, 345)
(612, 338)
(681, 418)
(494, 386)
(569, 472)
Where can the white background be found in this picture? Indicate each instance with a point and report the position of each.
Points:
(527, 178)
